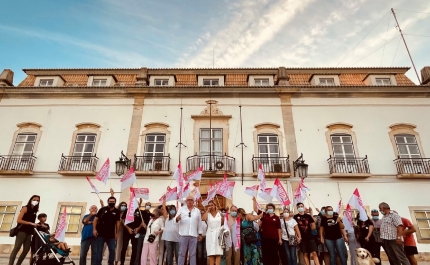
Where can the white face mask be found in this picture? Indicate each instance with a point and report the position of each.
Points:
(286, 214)
(34, 203)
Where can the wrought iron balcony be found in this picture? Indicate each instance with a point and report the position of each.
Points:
(212, 163)
(151, 164)
(78, 165)
(407, 166)
(278, 166)
(345, 166)
(17, 164)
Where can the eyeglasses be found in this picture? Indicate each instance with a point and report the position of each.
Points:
(189, 214)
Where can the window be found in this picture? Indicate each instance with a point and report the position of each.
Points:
(84, 145)
(99, 82)
(210, 82)
(7, 215)
(407, 146)
(261, 82)
(154, 145)
(383, 81)
(161, 82)
(423, 223)
(205, 141)
(73, 218)
(24, 144)
(342, 146)
(326, 82)
(46, 82)
(268, 146)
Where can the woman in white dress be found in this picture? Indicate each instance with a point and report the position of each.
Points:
(214, 221)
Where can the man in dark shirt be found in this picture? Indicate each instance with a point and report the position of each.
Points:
(146, 216)
(271, 235)
(106, 230)
(308, 231)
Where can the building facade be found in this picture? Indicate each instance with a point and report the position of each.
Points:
(365, 128)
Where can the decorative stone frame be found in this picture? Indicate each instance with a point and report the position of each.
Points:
(404, 128)
(15, 217)
(57, 216)
(155, 128)
(340, 128)
(27, 127)
(412, 210)
(86, 127)
(268, 128)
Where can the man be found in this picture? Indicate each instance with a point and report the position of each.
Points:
(271, 235)
(377, 234)
(88, 238)
(233, 255)
(146, 216)
(409, 240)
(307, 227)
(190, 230)
(392, 234)
(202, 257)
(106, 230)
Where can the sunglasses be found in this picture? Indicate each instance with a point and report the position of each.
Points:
(189, 214)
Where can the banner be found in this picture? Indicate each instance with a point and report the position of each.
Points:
(261, 177)
(195, 175)
(237, 245)
(357, 203)
(140, 192)
(279, 192)
(211, 194)
(60, 234)
(171, 195)
(92, 186)
(132, 206)
(104, 173)
(128, 179)
(251, 191)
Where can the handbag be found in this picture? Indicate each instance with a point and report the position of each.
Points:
(151, 237)
(292, 240)
(250, 236)
(14, 231)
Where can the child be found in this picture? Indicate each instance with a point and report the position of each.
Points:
(61, 245)
(36, 243)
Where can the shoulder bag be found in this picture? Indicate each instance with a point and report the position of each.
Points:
(151, 237)
(14, 231)
(250, 235)
(292, 240)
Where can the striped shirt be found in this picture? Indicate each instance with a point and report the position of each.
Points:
(389, 225)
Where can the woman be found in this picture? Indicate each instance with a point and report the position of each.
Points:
(155, 228)
(26, 224)
(332, 236)
(214, 221)
(252, 254)
(365, 234)
(122, 207)
(271, 235)
(170, 233)
(290, 229)
(323, 255)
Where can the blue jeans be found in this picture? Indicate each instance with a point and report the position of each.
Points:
(110, 242)
(337, 247)
(85, 246)
(172, 248)
(291, 252)
(139, 249)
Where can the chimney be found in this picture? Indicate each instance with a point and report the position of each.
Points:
(425, 75)
(142, 77)
(6, 78)
(283, 78)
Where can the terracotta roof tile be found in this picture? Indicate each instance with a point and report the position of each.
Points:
(403, 80)
(81, 80)
(186, 80)
(236, 80)
(299, 79)
(28, 81)
(352, 79)
(126, 79)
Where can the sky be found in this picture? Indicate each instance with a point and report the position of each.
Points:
(212, 33)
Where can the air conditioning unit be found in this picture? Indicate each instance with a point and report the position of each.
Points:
(121, 84)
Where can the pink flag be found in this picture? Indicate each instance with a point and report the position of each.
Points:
(104, 172)
(265, 195)
(357, 203)
(279, 192)
(261, 177)
(92, 186)
(251, 191)
(140, 192)
(128, 179)
(230, 189)
(60, 234)
(132, 206)
(237, 245)
(339, 206)
(211, 194)
(195, 175)
(171, 195)
(223, 188)
(300, 192)
(197, 194)
(347, 219)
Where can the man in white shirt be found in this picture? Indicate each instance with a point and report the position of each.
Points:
(190, 230)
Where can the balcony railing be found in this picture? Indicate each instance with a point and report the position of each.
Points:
(345, 165)
(152, 163)
(272, 164)
(413, 165)
(211, 163)
(17, 162)
(78, 163)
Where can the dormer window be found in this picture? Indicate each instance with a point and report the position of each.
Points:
(211, 82)
(161, 82)
(46, 82)
(382, 81)
(105, 80)
(326, 82)
(99, 82)
(261, 82)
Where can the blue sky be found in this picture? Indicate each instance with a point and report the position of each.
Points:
(186, 33)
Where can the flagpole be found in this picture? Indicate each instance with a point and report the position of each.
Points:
(241, 136)
(340, 195)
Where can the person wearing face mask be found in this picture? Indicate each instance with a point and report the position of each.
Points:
(290, 230)
(141, 228)
(377, 234)
(307, 228)
(233, 255)
(365, 235)
(122, 207)
(271, 235)
(88, 239)
(170, 233)
(26, 223)
(155, 228)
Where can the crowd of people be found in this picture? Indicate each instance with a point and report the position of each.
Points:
(187, 235)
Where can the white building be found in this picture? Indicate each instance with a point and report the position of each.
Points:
(365, 128)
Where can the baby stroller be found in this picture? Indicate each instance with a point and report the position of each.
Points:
(48, 253)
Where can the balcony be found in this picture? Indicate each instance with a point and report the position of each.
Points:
(413, 167)
(17, 164)
(213, 165)
(78, 165)
(342, 167)
(152, 165)
(272, 166)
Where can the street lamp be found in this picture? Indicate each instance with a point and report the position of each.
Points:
(122, 164)
(300, 167)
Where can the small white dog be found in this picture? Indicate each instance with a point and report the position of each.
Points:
(364, 257)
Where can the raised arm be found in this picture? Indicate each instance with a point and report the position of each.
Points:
(165, 213)
(254, 204)
(205, 215)
(252, 218)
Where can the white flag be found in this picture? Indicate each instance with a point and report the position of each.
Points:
(197, 194)
(195, 175)
(224, 188)
(132, 206)
(140, 192)
(357, 203)
(186, 191)
(265, 195)
(347, 219)
(211, 194)
(60, 234)
(262, 178)
(339, 206)
(128, 179)
(279, 192)
(104, 172)
(251, 191)
(92, 186)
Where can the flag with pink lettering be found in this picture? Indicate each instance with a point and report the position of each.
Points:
(128, 179)
(195, 175)
(237, 243)
(347, 219)
(211, 194)
(197, 194)
(142, 193)
(223, 188)
(104, 173)
(60, 234)
(92, 186)
(300, 192)
(279, 192)
(132, 206)
(171, 195)
(265, 195)
(251, 191)
(357, 203)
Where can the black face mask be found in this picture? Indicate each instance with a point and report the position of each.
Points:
(111, 204)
